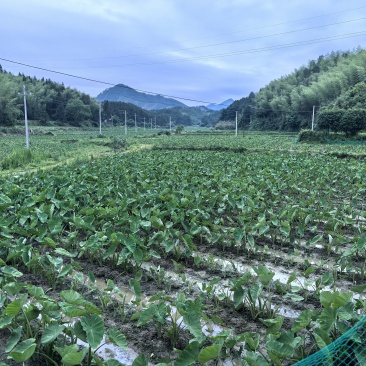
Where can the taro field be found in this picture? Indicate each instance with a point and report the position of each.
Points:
(251, 254)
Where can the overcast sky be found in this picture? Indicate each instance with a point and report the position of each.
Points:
(204, 50)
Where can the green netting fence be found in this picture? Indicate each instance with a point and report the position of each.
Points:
(348, 350)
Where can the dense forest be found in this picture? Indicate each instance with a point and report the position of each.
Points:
(46, 101)
(332, 81)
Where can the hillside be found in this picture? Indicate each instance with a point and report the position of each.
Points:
(126, 94)
(287, 103)
(46, 101)
(219, 106)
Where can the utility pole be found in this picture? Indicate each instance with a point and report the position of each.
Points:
(100, 118)
(135, 124)
(155, 123)
(125, 122)
(144, 123)
(26, 118)
(151, 122)
(170, 124)
(312, 119)
(236, 123)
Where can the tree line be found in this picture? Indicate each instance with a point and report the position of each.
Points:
(46, 101)
(332, 82)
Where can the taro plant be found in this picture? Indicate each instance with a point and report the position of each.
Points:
(34, 321)
(252, 295)
(173, 317)
(88, 327)
(159, 275)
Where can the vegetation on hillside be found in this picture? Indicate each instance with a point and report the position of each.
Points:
(333, 80)
(46, 101)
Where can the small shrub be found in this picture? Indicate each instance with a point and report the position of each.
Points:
(117, 143)
(311, 136)
(179, 130)
(225, 125)
(167, 133)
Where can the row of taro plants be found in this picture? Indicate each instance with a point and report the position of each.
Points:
(126, 210)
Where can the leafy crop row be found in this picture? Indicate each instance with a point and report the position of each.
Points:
(126, 210)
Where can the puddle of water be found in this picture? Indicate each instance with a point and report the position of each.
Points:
(281, 276)
(211, 329)
(109, 351)
(242, 268)
(223, 288)
(128, 296)
(288, 313)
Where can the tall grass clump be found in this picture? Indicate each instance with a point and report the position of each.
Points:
(21, 157)
(18, 157)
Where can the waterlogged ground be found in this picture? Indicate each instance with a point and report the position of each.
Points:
(201, 244)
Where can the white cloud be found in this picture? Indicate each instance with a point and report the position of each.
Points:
(133, 42)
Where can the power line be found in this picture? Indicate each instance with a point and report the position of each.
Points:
(289, 22)
(221, 43)
(99, 81)
(294, 44)
(234, 53)
(243, 40)
(240, 31)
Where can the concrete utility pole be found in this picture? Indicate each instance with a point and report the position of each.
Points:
(151, 122)
(26, 118)
(155, 122)
(236, 123)
(144, 123)
(170, 124)
(125, 122)
(312, 119)
(100, 118)
(135, 124)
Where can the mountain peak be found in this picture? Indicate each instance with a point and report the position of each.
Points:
(219, 106)
(126, 94)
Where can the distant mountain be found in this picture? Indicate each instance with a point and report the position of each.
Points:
(219, 106)
(126, 94)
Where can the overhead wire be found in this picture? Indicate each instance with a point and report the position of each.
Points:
(294, 44)
(222, 43)
(98, 81)
(234, 53)
(235, 32)
(213, 56)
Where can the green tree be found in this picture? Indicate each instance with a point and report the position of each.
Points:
(330, 119)
(353, 121)
(76, 111)
(179, 129)
(355, 97)
(10, 108)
